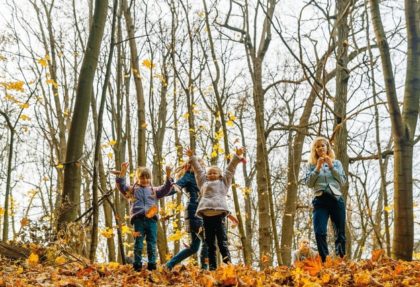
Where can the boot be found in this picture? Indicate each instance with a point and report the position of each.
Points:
(151, 266)
(137, 267)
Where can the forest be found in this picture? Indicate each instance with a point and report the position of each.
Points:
(90, 88)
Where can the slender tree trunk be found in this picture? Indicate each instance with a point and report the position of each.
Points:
(135, 68)
(343, 8)
(95, 180)
(72, 177)
(403, 126)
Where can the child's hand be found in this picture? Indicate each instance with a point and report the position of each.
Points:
(168, 170)
(189, 152)
(240, 151)
(124, 167)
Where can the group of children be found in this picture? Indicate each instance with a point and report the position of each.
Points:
(207, 208)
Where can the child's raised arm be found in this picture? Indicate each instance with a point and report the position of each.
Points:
(230, 170)
(120, 180)
(199, 171)
(165, 189)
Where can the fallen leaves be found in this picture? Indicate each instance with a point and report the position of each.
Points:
(377, 271)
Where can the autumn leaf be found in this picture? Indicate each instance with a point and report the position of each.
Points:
(33, 259)
(1, 211)
(24, 117)
(126, 230)
(377, 254)
(112, 142)
(312, 265)
(60, 260)
(226, 275)
(229, 123)
(44, 61)
(24, 222)
(148, 64)
(144, 125)
(113, 265)
(362, 278)
(152, 211)
(60, 166)
(107, 232)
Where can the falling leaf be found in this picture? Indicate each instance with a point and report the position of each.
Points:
(186, 116)
(112, 142)
(24, 106)
(144, 125)
(148, 64)
(110, 155)
(44, 61)
(60, 166)
(125, 229)
(1, 211)
(152, 211)
(388, 208)
(107, 232)
(24, 222)
(229, 123)
(24, 117)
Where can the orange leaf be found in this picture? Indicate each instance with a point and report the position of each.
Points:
(377, 254)
(152, 211)
(24, 222)
(312, 265)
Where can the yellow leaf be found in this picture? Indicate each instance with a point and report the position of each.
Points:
(107, 232)
(113, 265)
(110, 155)
(44, 61)
(60, 260)
(186, 116)
(148, 64)
(60, 166)
(1, 211)
(229, 123)
(33, 259)
(112, 142)
(24, 106)
(176, 236)
(388, 208)
(24, 117)
(144, 125)
(53, 83)
(125, 229)
(19, 270)
(214, 154)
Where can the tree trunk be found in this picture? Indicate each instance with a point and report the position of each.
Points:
(135, 68)
(340, 102)
(403, 126)
(72, 176)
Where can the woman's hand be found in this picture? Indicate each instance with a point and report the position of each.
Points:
(319, 163)
(189, 152)
(328, 161)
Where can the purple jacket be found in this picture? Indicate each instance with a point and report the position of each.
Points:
(142, 198)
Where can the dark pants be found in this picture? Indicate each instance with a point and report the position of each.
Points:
(326, 207)
(187, 252)
(147, 228)
(214, 227)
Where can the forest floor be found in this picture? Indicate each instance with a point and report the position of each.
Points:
(377, 271)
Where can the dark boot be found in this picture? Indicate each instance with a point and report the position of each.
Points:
(151, 266)
(137, 267)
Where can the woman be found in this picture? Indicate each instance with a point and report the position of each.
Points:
(326, 177)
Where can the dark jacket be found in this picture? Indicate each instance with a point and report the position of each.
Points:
(142, 198)
(187, 182)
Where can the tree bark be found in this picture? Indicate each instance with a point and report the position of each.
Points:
(72, 176)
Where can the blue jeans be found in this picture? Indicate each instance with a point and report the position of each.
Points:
(185, 253)
(147, 227)
(326, 207)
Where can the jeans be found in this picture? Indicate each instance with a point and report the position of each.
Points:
(147, 228)
(185, 253)
(328, 207)
(214, 227)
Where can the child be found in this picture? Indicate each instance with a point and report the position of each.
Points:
(143, 208)
(213, 204)
(194, 224)
(304, 251)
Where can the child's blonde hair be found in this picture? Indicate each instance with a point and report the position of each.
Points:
(216, 168)
(313, 156)
(143, 171)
